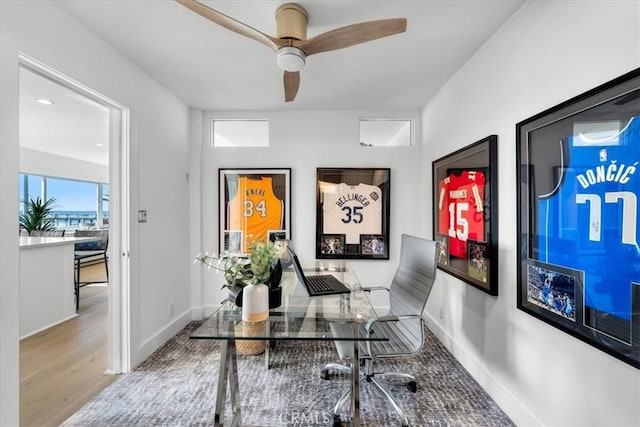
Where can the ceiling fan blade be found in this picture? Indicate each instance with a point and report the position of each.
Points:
(291, 85)
(232, 24)
(352, 35)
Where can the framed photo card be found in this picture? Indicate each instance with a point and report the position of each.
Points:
(254, 205)
(578, 229)
(352, 211)
(332, 244)
(465, 217)
(372, 244)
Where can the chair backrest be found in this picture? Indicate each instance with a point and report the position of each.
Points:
(413, 280)
(98, 245)
(48, 233)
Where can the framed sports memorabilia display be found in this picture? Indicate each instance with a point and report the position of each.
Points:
(255, 205)
(465, 217)
(352, 213)
(578, 232)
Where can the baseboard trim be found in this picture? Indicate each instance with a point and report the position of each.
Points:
(162, 336)
(498, 392)
(37, 331)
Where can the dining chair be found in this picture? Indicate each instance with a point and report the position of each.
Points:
(86, 251)
(403, 324)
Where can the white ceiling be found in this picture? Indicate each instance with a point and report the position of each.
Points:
(212, 68)
(72, 127)
(209, 67)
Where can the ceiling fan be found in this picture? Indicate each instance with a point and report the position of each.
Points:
(291, 44)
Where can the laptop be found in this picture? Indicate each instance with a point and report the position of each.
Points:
(320, 285)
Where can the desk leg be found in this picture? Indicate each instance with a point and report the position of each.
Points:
(233, 384)
(267, 347)
(228, 370)
(355, 380)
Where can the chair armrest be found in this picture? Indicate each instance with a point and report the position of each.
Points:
(375, 288)
(391, 318)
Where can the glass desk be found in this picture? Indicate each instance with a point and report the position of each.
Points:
(299, 318)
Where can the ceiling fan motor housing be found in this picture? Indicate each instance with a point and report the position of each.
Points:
(291, 22)
(290, 58)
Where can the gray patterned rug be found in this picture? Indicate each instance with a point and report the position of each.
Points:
(176, 386)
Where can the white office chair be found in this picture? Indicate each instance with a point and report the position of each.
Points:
(403, 324)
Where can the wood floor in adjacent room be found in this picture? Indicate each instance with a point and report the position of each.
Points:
(63, 367)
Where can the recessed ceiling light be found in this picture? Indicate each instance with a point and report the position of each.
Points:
(99, 145)
(45, 101)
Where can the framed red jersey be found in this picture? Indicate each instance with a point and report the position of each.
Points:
(465, 227)
(462, 214)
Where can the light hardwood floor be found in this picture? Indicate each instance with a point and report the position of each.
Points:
(63, 367)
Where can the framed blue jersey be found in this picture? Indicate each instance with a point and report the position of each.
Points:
(578, 217)
(591, 217)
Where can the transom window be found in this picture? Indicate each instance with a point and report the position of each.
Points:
(240, 133)
(385, 132)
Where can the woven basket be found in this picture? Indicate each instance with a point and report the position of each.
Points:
(250, 329)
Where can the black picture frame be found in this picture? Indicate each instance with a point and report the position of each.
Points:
(353, 205)
(465, 215)
(262, 214)
(578, 190)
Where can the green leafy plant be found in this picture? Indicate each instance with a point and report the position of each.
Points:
(37, 215)
(256, 268)
(261, 258)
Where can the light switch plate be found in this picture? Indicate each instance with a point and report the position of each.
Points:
(142, 216)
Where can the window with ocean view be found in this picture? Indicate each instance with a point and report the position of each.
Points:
(80, 204)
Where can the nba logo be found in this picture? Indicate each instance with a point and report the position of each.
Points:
(603, 155)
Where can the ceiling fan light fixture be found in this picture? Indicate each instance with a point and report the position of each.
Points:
(290, 59)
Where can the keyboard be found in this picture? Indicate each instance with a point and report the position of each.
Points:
(325, 284)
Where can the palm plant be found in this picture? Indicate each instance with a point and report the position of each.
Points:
(37, 215)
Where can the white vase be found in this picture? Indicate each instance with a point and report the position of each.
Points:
(255, 303)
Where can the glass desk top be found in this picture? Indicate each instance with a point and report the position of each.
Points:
(300, 317)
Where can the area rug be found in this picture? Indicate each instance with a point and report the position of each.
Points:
(176, 386)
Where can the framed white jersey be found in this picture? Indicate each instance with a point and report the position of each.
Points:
(352, 210)
(353, 203)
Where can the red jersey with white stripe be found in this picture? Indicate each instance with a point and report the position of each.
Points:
(461, 210)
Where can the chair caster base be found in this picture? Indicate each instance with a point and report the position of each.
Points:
(337, 422)
(324, 374)
(412, 386)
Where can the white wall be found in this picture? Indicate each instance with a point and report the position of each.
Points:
(9, 260)
(41, 163)
(159, 162)
(548, 53)
(304, 141)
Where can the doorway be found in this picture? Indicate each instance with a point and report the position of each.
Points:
(102, 162)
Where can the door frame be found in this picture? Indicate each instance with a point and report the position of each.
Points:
(119, 317)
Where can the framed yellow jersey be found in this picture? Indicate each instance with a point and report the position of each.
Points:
(254, 206)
